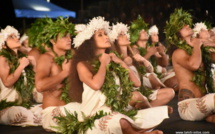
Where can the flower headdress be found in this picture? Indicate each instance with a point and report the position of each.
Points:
(80, 27)
(95, 24)
(136, 27)
(153, 29)
(5, 33)
(53, 28)
(23, 38)
(177, 21)
(117, 29)
(197, 28)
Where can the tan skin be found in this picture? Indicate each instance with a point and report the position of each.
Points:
(34, 52)
(207, 40)
(141, 42)
(165, 94)
(25, 48)
(95, 81)
(163, 60)
(185, 65)
(49, 78)
(7, 78)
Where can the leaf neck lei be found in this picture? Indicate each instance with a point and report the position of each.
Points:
(59, 61)
(203, 75)
(142, 51)
(117, 100)
(24, 88)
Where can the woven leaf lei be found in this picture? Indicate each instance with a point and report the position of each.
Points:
(202, 75)
(59, 61)
(205, 75)
(24, 89)
(117, 100)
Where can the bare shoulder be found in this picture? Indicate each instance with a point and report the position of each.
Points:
(46, 57)
(81, 64)
(34, 51)
(179, 54)
(83, 67)
(3, 61)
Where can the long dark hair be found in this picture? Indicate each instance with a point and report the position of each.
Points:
(9, 49)
(85, 53)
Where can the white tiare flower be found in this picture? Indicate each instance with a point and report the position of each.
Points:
(95, 24)
(23, 38)
(197, 28)
(153, 29)
(117, 29)
(80, 27)
(5, 33)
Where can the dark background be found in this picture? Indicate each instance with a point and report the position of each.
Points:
(153, 11)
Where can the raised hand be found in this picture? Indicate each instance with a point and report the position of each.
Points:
(105, 58)
(32, 60)
(153, 51)
(195, 42)
(160, 49)
(115, 59)
(24, 62)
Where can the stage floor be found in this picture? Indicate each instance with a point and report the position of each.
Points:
(173, 125)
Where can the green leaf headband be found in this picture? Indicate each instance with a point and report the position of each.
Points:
(35, 30)
(177, 21)
(53, 28)
(135, 28)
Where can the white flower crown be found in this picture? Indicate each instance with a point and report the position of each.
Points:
(5, 33)
(117, 29)
(153, 29)
(80, 27)
(95, 24)
(23, 38)
(197, 28)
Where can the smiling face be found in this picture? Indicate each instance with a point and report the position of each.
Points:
(101, 39)
(123, 39)
(13, 41)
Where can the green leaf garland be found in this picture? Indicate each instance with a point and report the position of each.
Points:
(69, 123)
(136, 27)
(24, 89)
(117, 100)
(59, 61)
